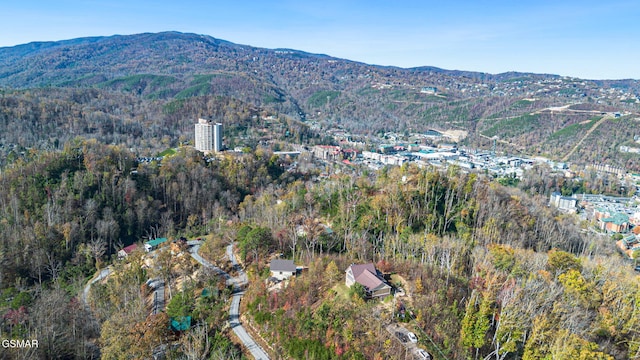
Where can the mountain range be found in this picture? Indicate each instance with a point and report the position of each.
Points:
(534, 114)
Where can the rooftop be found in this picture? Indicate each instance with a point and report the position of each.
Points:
(130, 248)
(156, 242)
(367, 276)
(618, 219)
(282, 265)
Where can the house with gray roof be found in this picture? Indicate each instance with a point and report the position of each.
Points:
(282, 269)
(370, 278)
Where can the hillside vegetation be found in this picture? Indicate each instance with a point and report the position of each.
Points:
(81, 205)
(490, 271)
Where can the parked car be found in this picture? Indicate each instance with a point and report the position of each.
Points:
(423, 354)
(402, 336)
(412, 337)
(154, 283)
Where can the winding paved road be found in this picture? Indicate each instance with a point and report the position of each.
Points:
(234, 310)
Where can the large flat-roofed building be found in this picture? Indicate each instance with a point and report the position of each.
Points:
(208, 136)
(204, 135)
(217, 137)
(563, 203)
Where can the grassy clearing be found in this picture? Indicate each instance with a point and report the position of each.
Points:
(321, 98)
(341, 291)
(573, 129)
(168, 152)
(514, 127)
(132, 82)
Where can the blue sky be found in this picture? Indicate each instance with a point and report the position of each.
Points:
(587, 39)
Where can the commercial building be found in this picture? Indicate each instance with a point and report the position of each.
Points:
(617, 223)
(563, 203)
(204, 135)
(208, 136)
(217, 137)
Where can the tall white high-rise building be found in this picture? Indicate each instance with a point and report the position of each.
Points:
(204, 135)
(208, 136)
(217, 137)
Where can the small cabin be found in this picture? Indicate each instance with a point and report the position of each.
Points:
(282, 269)
(153, 244)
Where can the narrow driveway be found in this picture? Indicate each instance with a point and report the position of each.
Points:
(399, 332)
(158, 296)
(241, 279)
(101, 275)
(234, 310)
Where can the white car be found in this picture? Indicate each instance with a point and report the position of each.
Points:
(412, 337)
(422, 354)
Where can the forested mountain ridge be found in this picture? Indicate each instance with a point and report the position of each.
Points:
(365, 99)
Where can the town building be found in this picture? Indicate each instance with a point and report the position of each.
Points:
(606, 168)
(204, 135)
(431, 90)
(218, 132)
(563, 203)
(630, 241)
(327, 152)
(434, 134)
(618, 223)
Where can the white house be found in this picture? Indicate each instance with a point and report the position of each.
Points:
(282, 269)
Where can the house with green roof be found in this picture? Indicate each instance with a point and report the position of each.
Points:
(153, 244)
(180, 323)
(630, 241)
